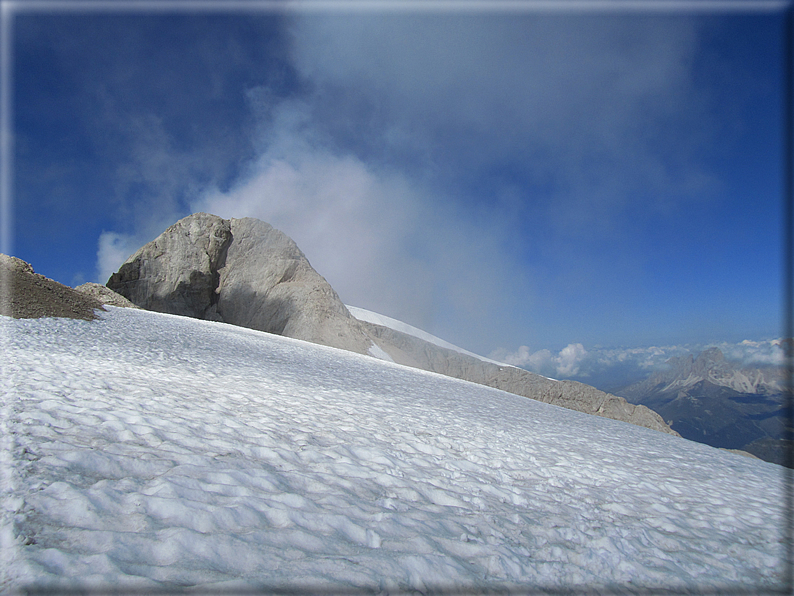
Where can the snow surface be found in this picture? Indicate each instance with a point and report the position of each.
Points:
(372, 317)
(149, 451)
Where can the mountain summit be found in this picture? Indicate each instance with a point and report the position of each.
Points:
(708, 399)
(247, 273)
(239, 271)
(709, 371)
(711, 367)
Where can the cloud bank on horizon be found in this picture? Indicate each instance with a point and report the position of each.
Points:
(611, 368)
(498, 180)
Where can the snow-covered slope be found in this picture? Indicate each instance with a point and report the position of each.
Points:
(154, 451)
(377, 319)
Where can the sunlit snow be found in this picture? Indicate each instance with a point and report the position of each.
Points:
(372, 317)
(146, 450)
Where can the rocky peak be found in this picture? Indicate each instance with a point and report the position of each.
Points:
(239, 271)
(177, 272)
(677, 365)
(711, 367)
(711, 359)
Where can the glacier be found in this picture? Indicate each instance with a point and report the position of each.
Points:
(146, 451)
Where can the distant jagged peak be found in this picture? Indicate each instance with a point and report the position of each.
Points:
(712, 354)
(711, 362)
(711, 366)
(702, 363)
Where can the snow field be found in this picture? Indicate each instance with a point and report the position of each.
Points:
(149, 450)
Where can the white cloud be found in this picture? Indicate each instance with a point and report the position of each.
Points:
(569, 359)
(597, 107)
(565, 363)
(768, 352)
(393, 119)
(615, 367)
(113, 250)
(348, 220)
(381, 239)
(398, 114)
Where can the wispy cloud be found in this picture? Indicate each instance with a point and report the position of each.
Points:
(380, 167)
(588, 109)
(379, 237)
(755, 353)
(112, 251)
(150, 183)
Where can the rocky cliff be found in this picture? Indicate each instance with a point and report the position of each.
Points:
(245, 272)
(239, 271)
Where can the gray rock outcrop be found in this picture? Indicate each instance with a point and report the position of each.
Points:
(177, 272)
(411, 351)
(239, 271)
(247, 273)
(105, 295)
(268, 284)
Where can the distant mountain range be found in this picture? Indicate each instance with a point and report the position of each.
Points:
(711, 400)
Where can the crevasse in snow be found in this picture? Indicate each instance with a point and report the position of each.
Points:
(151, 450)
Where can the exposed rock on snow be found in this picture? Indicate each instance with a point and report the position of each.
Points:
(247, 273)
(105, 295)
(412, 351)
(177, 272)
(239, 271)
(25, 294)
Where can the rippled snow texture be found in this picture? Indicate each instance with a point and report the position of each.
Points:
(151, 450)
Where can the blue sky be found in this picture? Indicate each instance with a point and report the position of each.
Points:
(607, 177)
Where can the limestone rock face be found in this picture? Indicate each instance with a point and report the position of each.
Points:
(239, 271)
(177, 272)
(268, 284)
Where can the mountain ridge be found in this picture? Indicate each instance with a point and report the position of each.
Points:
(247, 273)
(710, 366)
(708, 399)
